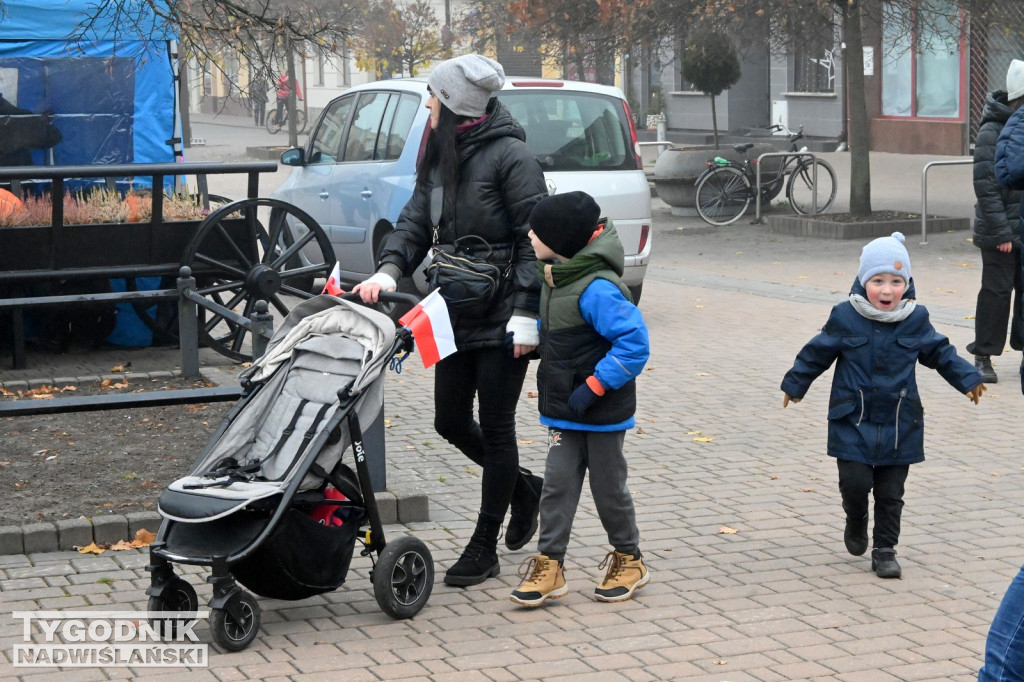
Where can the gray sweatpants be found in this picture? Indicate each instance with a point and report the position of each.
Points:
(570, 455)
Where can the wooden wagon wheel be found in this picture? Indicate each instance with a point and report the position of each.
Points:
(162, 318)
(237, 262)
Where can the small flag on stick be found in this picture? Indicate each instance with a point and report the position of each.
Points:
(431, 328)
(333, 286)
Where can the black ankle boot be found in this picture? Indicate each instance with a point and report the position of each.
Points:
(856, 535)
(525, 508)
(479, 561)
(884, 564)
(983, 363)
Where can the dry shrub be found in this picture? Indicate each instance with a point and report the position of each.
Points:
(105, 206)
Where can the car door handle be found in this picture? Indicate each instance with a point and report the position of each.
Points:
(324, 195)
(366, 193)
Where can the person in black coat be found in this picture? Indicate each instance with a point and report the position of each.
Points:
(996, 233)
(476, 151)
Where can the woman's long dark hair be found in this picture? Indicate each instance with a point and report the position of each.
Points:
(441, 152)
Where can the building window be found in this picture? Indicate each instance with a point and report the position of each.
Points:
(814, 65)
(921, 67)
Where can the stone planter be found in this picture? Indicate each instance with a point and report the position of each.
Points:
(676, 172)
(835, 226)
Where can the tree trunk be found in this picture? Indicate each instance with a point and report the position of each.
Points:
(293, 134)
(714, 119)
(183, 101)
(860, 125)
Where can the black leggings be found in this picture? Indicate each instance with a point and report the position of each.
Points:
(856, 480)
(496, 380)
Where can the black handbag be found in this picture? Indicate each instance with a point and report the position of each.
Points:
(463, 272)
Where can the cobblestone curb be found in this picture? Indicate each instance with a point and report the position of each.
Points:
(395, 506)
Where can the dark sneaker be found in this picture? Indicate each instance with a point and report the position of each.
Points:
(525, 514)
(983, 363)
(625, 575)
(856, 535)
(543, 579)
(884, 564)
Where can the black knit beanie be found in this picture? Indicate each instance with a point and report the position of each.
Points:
(565, 222)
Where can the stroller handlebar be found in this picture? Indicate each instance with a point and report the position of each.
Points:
(384, 297)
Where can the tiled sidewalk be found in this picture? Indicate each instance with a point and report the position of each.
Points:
(777, 600)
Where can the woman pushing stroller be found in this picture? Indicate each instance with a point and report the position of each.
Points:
(489, 183)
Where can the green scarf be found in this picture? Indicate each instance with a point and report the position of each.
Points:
(579, 266)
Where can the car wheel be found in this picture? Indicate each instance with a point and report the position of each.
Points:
(635, 292)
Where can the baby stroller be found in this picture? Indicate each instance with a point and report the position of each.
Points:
(269, 502)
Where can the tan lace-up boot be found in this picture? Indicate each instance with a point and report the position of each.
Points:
(625, 575)
(543, 579)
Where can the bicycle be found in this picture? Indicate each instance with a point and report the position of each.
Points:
(725, 188)
(273, 126)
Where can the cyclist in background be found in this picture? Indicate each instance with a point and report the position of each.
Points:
(283, 90)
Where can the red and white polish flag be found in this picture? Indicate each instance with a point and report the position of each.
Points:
(333, 286)
(431, 328)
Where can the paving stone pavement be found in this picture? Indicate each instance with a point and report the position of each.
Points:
(778, 599)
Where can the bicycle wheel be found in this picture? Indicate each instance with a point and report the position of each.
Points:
(723, 196)
(271, 122)
(300, 121)
(800, 190)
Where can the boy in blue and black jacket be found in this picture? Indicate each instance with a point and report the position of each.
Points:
(593, 344)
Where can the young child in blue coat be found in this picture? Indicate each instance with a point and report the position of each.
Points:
(593, 344)
(875, 418)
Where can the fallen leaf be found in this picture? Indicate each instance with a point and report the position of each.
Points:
(726, 530)
(721, 661)
(640, 431)
(4, 464)
(121, 546)
(968, 317)
(775, 478)
(808, 490)
(703, 439)
(531, 394)
(143, 538)
(195, 408)
(526, 442)
(91, 548)
(116, 368)
(692, 433)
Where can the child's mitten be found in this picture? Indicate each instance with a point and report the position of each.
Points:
(585, 395)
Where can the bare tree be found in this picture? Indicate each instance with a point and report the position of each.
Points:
(587, 35)
(396, 38)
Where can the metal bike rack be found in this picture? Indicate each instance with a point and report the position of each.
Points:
(758, 220)
(924, 190)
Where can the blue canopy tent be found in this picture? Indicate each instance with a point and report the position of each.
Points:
(106, 97)
(110, 98)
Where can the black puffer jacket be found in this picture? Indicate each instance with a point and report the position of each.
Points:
(998, 209)
(499, 184)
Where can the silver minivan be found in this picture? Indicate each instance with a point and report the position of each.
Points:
(357, 170)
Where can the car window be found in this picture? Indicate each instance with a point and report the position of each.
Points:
(405, 113)
(573, 131)
(361, 143)
(325, 146)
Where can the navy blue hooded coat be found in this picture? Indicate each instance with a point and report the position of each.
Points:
(875, 414)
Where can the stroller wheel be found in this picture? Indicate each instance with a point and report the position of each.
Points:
(403, 577)
(235, 632)
(179, 598)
